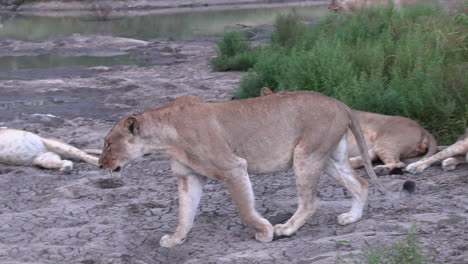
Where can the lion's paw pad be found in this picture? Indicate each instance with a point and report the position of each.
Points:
(347, 218)
(168, 241)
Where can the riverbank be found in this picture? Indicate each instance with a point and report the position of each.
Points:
(106, 9)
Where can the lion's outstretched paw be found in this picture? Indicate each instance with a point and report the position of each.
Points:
(284, 230)
(416, 167)
(168, 241)
(381, 170)
(449, 164)
(348, 218)
(266, 233)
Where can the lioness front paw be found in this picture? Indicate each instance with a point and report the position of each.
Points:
(266, 234)
(284, 230)
(449, 164)
(168, 241)
(348, 218)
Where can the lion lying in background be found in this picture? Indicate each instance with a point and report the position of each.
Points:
(451, 156)
(22, 148)
(388, 138)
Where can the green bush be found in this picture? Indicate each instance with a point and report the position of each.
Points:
(234, 53)
(411, 62)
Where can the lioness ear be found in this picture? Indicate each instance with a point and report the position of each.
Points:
(265, 91)
(132, 125)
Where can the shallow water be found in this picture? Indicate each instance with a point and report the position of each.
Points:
(176, 26)
(13, 63)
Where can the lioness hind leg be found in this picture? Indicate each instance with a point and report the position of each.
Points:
(240, 188)
(339, 168)
(190, 189)
(50, 160)
(306, 180)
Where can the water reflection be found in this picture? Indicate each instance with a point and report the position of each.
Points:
(14, 63)
(178, 26)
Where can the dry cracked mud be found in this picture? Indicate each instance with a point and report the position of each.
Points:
(86, 218)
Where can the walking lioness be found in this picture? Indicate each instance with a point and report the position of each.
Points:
(389, 139)
(23, 148)
(229, 140)
(451, 156)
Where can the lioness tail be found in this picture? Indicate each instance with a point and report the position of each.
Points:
(432, 148)
(361, 143)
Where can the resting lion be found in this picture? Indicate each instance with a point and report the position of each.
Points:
(451, 156)
(230, 140)
(389, 138)
(22, 148)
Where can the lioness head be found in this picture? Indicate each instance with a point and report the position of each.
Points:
(122, 144)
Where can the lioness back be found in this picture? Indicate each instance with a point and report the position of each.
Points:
(270, 125)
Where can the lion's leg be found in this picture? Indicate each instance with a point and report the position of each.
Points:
(339, 168)
(451, 163)
(458, 148)
(190, 189)
(240, 188)
(358, 162)
(50, 160)
(307, 177)
(391, 159)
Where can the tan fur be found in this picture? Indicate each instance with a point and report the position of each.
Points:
(22, 148)
(389, 139)
(353, 5)
(230, 140)
(450, 156)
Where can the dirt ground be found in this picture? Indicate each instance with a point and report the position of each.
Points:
(86, 218)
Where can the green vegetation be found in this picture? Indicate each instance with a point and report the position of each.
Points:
(410, 62)
(407, 251)
(234, 53)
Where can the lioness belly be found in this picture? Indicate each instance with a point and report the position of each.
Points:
(262, 165)
(19, 147)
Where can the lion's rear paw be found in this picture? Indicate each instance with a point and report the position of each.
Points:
(168, 241)
(449, 164)
(348, 218)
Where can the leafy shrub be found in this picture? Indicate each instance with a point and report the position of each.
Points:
(234, 53)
